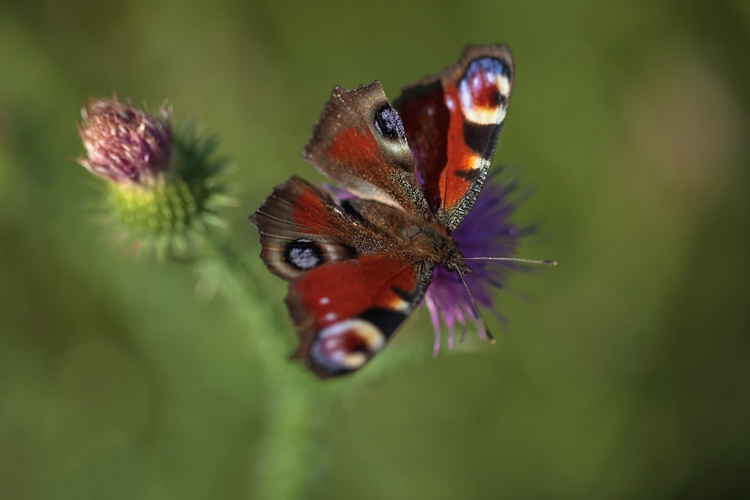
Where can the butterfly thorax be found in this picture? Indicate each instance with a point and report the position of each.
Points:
(424, 240)
(431, 243)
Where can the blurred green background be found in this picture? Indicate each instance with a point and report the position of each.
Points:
(626, 374)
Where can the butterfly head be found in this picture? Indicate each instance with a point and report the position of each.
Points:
(455, 262)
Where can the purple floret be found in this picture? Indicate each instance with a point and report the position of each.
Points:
(124, 144)
(485, 232)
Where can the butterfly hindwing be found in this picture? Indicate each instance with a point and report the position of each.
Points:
(452, 121)
(345, 312)
(359, 142)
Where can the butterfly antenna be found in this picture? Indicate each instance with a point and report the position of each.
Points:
(514, 259)
(476, 309)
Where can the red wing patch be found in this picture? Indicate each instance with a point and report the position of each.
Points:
(452, 121)
(357, 148)
(347, 311)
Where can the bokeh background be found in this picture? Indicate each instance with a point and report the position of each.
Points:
(625, 372)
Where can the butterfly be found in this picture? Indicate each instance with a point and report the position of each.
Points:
(359, 260)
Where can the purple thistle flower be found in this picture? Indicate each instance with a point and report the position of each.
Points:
(485, 232)
(124, 144)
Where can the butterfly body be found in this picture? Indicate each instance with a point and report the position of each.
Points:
(422, 240)
(359, 260)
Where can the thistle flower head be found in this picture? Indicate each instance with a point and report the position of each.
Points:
(485, 232)
(124, 144)
(163, 191)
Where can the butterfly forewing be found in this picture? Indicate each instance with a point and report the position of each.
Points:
(452, 121)
(359, 142)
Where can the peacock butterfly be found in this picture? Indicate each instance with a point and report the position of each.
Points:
(359, 263)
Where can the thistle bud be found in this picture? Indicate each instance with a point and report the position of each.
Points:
(124, 144)
(162, 190)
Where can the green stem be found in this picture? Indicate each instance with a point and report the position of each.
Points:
(295, 403)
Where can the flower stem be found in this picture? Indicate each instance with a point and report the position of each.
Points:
(295, 404)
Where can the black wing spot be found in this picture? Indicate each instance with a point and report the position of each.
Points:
(303, 254)
(386, 320)
(388, 123)
(481, 138)
(469, 175)
(403, 294)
